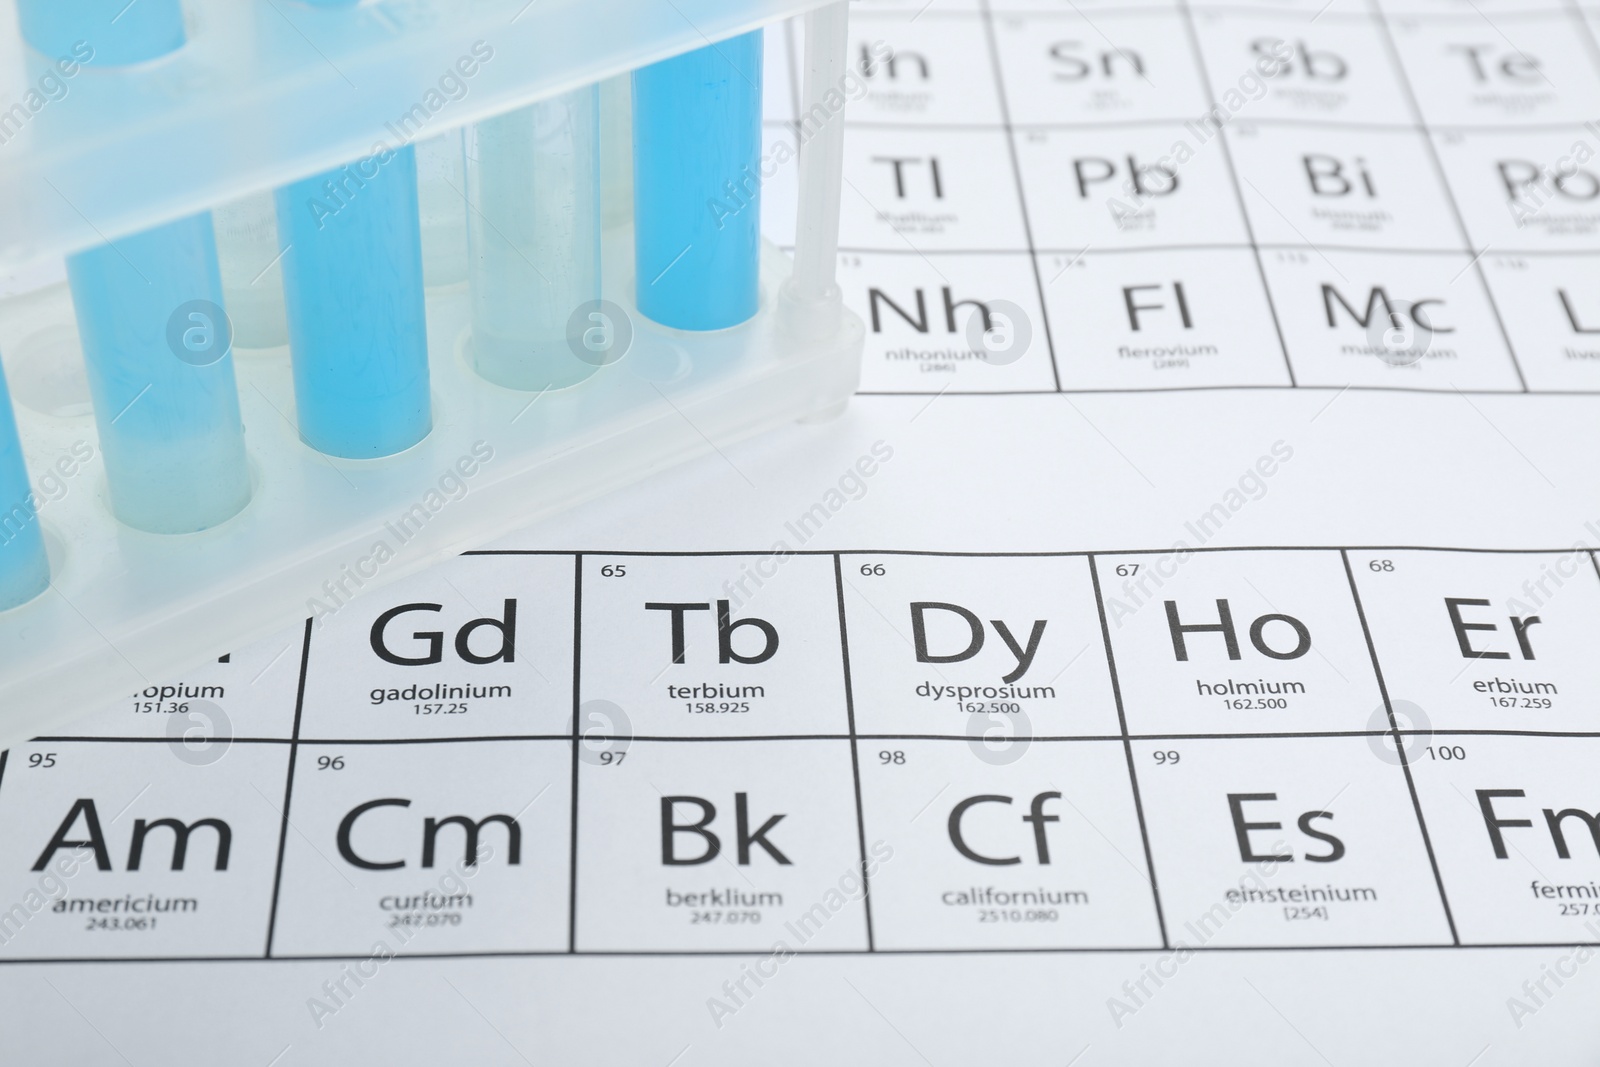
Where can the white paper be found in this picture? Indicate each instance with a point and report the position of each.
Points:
(1046, 847)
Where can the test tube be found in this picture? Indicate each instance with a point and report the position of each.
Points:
(697, 185)
(533, 179)
(352, 281)
(159, 358)
(120, 33)
(24, 568)
(252, 271)
(156, 340)
(441, 210)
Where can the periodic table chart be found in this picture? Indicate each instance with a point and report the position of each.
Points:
(990, 731)
(853, 752)
(1186, 195)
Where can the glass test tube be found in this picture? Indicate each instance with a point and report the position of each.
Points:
(252, 270)
(353, 293)
(697, 185)
(24, 568)
(533, 179)
(352, 280)
(156, 340)
(441, 210)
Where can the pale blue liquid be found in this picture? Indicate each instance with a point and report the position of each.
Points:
(119, 32)
(169, 428)
(352, 286)
(696, 193)
(24, 570)
(533, 178)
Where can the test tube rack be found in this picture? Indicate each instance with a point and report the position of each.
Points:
(265, 93)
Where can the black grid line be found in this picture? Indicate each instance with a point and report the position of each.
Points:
(288, 787)
(1449, 193)
(577, 740)
(855, 756)
(1016, 177)
(1400, 749)
(1238, 192)
(1127, 751)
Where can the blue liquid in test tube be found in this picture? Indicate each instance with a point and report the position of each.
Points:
(696, 185)
(157, 349)
(24, 570)
(120, 33)
(156, 341)
(352, 281)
